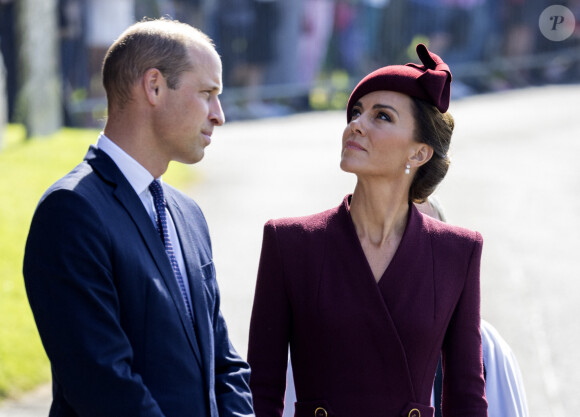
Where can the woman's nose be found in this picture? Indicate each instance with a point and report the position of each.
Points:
(356, 126)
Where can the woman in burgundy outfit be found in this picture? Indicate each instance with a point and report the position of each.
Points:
(369, 295)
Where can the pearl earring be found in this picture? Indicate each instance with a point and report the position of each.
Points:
(408, 169)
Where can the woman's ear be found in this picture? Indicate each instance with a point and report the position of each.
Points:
(422, 155)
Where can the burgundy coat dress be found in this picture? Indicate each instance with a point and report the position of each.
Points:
(361, 348)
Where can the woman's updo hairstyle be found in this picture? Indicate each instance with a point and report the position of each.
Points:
(429, 86)
(434, 129)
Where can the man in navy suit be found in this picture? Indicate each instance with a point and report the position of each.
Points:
(119, 275)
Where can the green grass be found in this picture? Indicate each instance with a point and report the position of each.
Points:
(27, 168)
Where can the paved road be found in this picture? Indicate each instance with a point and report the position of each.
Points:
(515, 178)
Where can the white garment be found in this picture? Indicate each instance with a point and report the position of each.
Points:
(504, 387)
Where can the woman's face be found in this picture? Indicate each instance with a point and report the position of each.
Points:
(379, 140)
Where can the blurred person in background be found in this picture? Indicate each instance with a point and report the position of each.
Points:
(370, 21)
(261, 54)
(456, 29)
(316, 28)
(9, 52)
(348, 40)
(468, 23)
(107, 19)
(155, 8)
(520, 34)
(428, 18)
(247, 31)
(73, 56)
(234, 20)
(369, 295)
(190, 11)
(118, 265)
(187, 11)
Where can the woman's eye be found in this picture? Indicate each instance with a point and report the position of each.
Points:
(384, 116)
(354, 113)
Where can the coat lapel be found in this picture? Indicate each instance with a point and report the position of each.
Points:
(126, 195)
(365, 292)
(408, 285)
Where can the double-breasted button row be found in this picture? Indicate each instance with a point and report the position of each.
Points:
(321, 412)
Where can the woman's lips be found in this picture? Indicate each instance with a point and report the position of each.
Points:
(351, 144)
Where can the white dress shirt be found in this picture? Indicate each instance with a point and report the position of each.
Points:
(140, 178)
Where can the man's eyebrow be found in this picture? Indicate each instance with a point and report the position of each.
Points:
(215, 88)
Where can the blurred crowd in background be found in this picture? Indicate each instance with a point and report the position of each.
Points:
(284, 56)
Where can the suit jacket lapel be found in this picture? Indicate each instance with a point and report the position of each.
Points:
(191, 247)
(130, 200)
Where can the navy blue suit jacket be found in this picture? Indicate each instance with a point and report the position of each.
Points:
(109, 311)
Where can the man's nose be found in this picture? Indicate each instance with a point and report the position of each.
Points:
(216, 114)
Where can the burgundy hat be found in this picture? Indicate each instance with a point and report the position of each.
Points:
(430, 81)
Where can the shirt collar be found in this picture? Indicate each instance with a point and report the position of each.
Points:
(136, 174)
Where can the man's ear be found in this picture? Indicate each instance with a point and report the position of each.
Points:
(422, 155)
(152, 83)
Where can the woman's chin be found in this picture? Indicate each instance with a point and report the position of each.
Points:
(348, 166)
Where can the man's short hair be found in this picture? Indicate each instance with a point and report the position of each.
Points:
(161, 43)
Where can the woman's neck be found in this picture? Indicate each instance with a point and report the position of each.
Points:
(379, 212)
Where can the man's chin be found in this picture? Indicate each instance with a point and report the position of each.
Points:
(192, 159)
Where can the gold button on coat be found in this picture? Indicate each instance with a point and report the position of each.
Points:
(414, 413)
(320, 412)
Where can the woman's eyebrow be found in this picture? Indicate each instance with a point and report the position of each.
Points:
(385, 106)
(377, 106)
